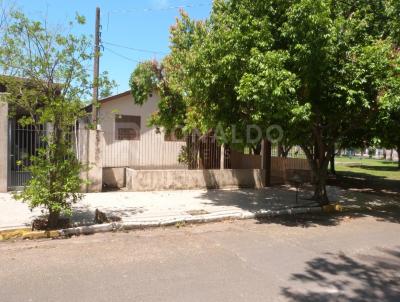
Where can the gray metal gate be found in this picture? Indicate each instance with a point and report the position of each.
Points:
(23, 143)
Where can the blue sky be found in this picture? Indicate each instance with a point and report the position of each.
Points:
(139, 24)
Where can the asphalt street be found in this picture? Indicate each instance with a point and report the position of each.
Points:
(281, 260)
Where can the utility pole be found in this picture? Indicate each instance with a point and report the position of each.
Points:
(96, 67)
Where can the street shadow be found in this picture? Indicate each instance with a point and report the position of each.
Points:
(338, 277)
(354, 205)
(384, 213)
(366, 182)
(253, 200)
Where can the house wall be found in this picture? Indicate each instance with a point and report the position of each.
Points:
(3, 146)
(151, 151)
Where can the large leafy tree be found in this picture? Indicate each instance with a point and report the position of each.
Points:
(388, 124)
(45, 71)
(319, 68)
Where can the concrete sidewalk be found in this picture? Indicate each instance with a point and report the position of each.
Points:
(162, 206)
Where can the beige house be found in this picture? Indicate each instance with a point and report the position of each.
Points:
(128, 141)
(126, 152)
(141, 157)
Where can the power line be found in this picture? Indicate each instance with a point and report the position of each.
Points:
(136, 49)
(134, 10)
(120, 55)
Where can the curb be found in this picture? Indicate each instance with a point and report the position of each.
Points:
(207, 218)
(134, 225)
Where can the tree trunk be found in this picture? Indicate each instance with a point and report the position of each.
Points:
(53, 220)
(283, 150)
(280, 150)
(320, 192)
(332, 162)
(398, 158)
(319, 161)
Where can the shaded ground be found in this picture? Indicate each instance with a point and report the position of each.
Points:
(358, 260)
(367, 175)
(369, 278)
(356, 205)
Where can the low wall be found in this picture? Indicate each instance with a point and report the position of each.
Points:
(155, 180)
(114, 177)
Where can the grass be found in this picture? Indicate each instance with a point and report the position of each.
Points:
(366, 173)
(372, 167)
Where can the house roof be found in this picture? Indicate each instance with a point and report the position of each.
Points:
(88, 108)
(116, 96)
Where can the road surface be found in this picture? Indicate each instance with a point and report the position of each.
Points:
(281, 260)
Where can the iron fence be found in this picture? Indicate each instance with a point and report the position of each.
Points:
(24, 143)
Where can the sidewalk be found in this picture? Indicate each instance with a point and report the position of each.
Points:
(163, 206)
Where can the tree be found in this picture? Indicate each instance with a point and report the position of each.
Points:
(388, 128)
(319, 68)
(5, 11)
(46, 76)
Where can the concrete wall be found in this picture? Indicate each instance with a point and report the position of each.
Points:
(3, 145)
(151, 151)
(95, 162)
(283, 171)
(114, 177)
(153, 180)
(90, 155)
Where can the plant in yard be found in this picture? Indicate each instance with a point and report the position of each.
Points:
(46, 75)
(318, 68)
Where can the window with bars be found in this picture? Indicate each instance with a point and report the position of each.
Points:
(127, 127)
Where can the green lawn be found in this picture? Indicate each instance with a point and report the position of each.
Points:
(373, 167)
(374, 174)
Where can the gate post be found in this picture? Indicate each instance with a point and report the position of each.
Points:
(266, 153)
(3, 145)
(95, 173)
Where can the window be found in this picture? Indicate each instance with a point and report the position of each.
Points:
(127, 127)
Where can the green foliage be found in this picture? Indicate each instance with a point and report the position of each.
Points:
(319, 68)
(46, 76)
(55, 183)
(106, 85)
(144, 81)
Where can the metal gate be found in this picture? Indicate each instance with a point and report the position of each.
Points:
(23, 143)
